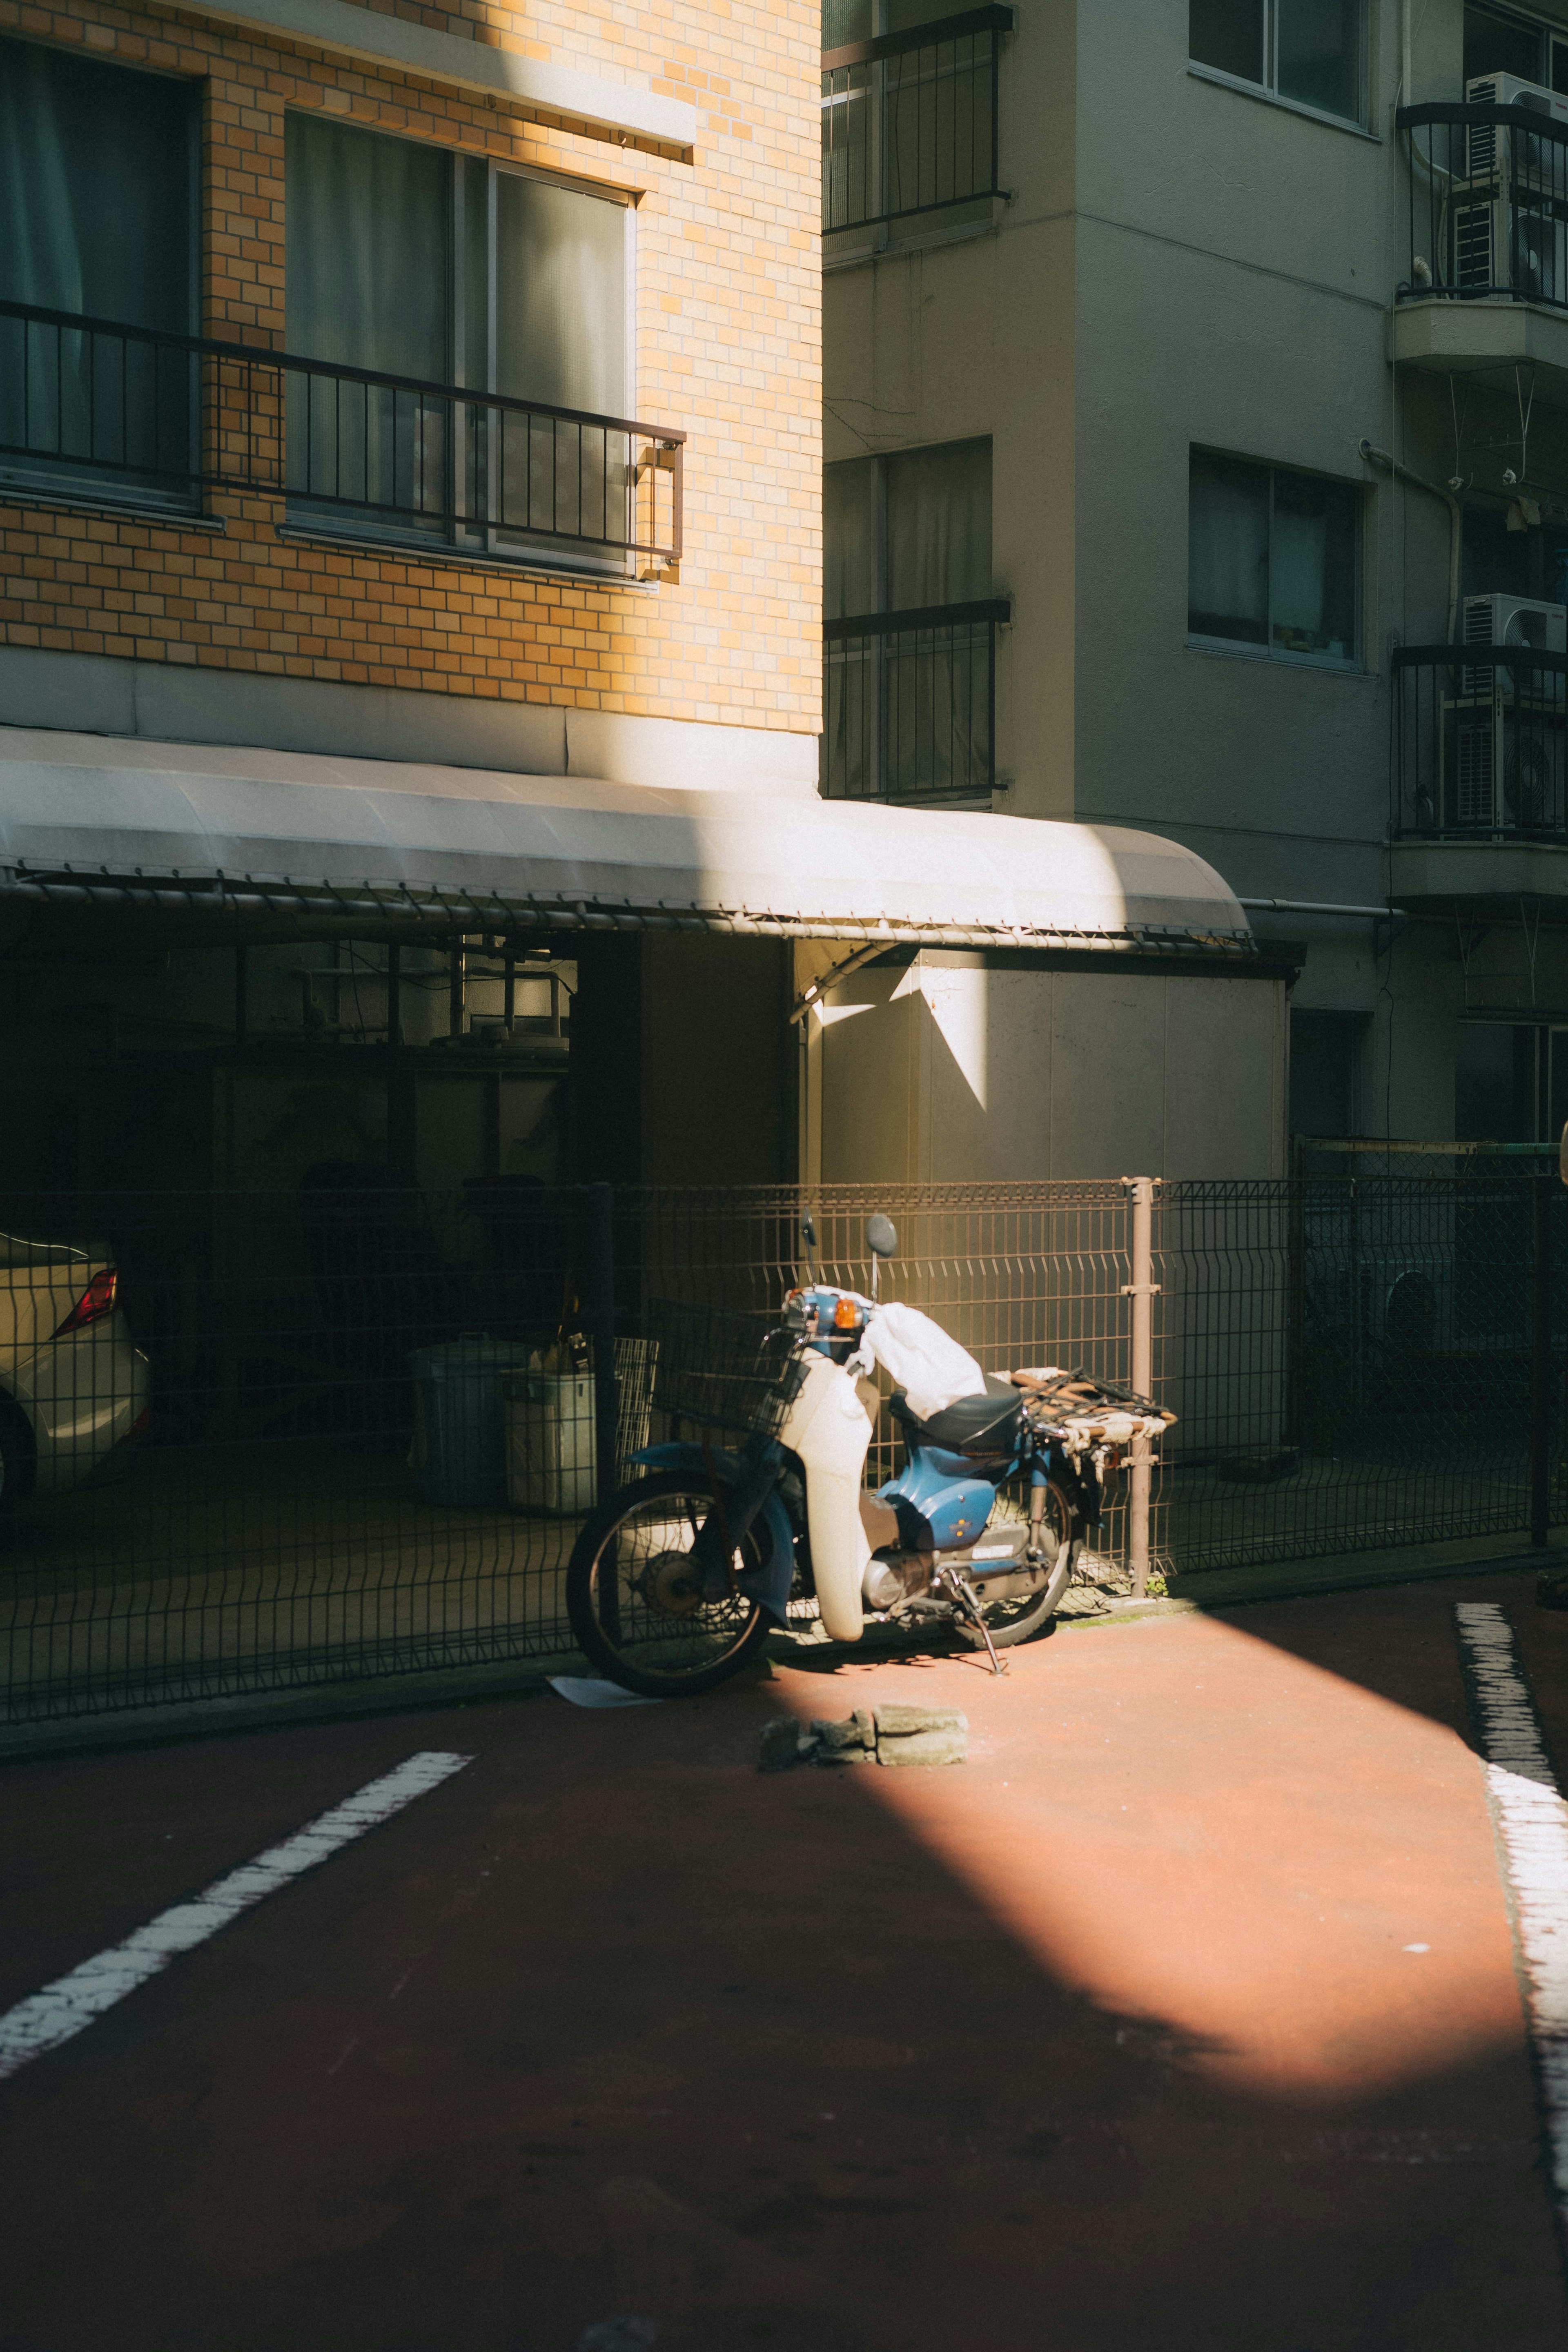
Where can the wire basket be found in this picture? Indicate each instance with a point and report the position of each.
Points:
(722, 1370)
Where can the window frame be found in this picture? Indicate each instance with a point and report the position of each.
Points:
(1354, 664)
(90, 487)
(1268, 88)
(1549, 34)
(490, 542)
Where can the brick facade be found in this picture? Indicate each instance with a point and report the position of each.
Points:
(727, 348)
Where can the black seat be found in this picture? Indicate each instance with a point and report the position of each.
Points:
(975, 1424)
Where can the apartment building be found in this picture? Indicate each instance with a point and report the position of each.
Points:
(410, 653)
(1194, 380)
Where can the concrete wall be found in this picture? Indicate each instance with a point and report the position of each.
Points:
(1186, 262)
(948, 1070)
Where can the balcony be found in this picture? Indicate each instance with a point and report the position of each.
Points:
(909, 704)
(1480, 798)
(1485, 288)
(96, 413)
(909, 123)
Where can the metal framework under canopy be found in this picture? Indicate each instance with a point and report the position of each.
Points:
(120, 821)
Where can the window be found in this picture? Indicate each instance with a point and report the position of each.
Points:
(1510, 1082)
(1273, 560)
(1498, 42)
(98, 180)
(1325, 1072)
(909, 626)
(904, 532)
(909, 118)
(411, 261)
(1311, 51)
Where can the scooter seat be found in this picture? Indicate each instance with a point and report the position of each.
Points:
(975, 1424)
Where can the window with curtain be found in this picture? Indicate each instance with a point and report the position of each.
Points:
(908, 699)
(1310, 51)
(1273, 560)
(98, 187)
(410, 261)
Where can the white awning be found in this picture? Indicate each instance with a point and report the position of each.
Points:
(119, 820)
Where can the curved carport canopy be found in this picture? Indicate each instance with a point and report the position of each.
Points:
(220, 830)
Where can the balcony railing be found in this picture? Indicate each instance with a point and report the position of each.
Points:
(1480, 745)
(90, 408)
(908, 120)
(1488, 204)
(909, 704)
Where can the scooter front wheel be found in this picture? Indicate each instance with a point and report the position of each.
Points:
(635, 1597)
(1008, 1623)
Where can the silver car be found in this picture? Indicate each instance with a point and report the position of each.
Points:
(72, 1386)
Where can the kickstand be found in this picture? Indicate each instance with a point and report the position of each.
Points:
(969, 1600)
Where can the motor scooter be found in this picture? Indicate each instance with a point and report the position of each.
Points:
(676, 1580)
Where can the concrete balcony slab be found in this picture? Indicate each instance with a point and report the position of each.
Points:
(1485, 339)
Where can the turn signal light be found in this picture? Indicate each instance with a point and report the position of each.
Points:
(96, 1301)
(846, 1315)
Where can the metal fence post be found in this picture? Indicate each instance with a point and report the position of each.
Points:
(1540, 1365)
(1142, 1290)
(602, 1311)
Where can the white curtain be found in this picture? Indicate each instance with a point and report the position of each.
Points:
(939, 526)
(96, 217)
(369, 255)
(1227, 550)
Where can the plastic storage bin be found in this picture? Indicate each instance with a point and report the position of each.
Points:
(552, 1450)
(460, 1418)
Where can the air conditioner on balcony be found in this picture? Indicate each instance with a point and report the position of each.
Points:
(1504, 620)
(1515, 248)
(1504, 768)
(1485, 154)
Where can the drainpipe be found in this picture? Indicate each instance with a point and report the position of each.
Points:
(1405, 97)
(1435, 489)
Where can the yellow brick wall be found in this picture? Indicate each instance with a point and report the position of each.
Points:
(727, 348)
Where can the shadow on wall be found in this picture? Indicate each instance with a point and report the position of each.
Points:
(947, 1070)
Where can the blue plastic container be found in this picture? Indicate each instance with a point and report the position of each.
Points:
(459, 1431)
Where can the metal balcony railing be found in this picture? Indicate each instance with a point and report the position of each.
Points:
(908, 120)
(1488, 204)
(92, 408)
(909, 703)
(1481, 742)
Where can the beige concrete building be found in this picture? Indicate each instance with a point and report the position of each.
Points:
(1193, 372)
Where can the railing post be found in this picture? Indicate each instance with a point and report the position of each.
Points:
(1142, 1290)
(602, 1310)
(1540, 1365)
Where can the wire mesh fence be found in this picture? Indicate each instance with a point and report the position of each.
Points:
(254, 1442)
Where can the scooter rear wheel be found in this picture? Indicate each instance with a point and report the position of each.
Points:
(635, 1607)
(1012, 1622)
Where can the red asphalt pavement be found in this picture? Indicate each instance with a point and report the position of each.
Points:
(1107, 2041)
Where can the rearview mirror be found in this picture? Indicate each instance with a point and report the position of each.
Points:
(808, 1231)
(881, 1238)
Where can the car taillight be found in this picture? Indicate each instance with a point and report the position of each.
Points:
(96, 1301)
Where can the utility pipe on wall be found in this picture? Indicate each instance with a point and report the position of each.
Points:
(1436, 490)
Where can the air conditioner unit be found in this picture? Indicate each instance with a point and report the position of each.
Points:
(1504, 620)
(1513, 246)
(1503, 768)
(1487, 140)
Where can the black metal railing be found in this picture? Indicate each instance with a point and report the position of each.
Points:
(88, 405)
(1488, 204)
(908, 120)
(1480, 742)
(909, 703)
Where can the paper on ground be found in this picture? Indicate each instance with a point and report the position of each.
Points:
(588, 1690)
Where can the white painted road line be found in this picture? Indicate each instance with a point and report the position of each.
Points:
(47, 2017)
(1532, 1822)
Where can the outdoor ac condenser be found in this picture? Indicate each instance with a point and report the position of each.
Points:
(1506, 89)
(1515, 248)
(1505, 620)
